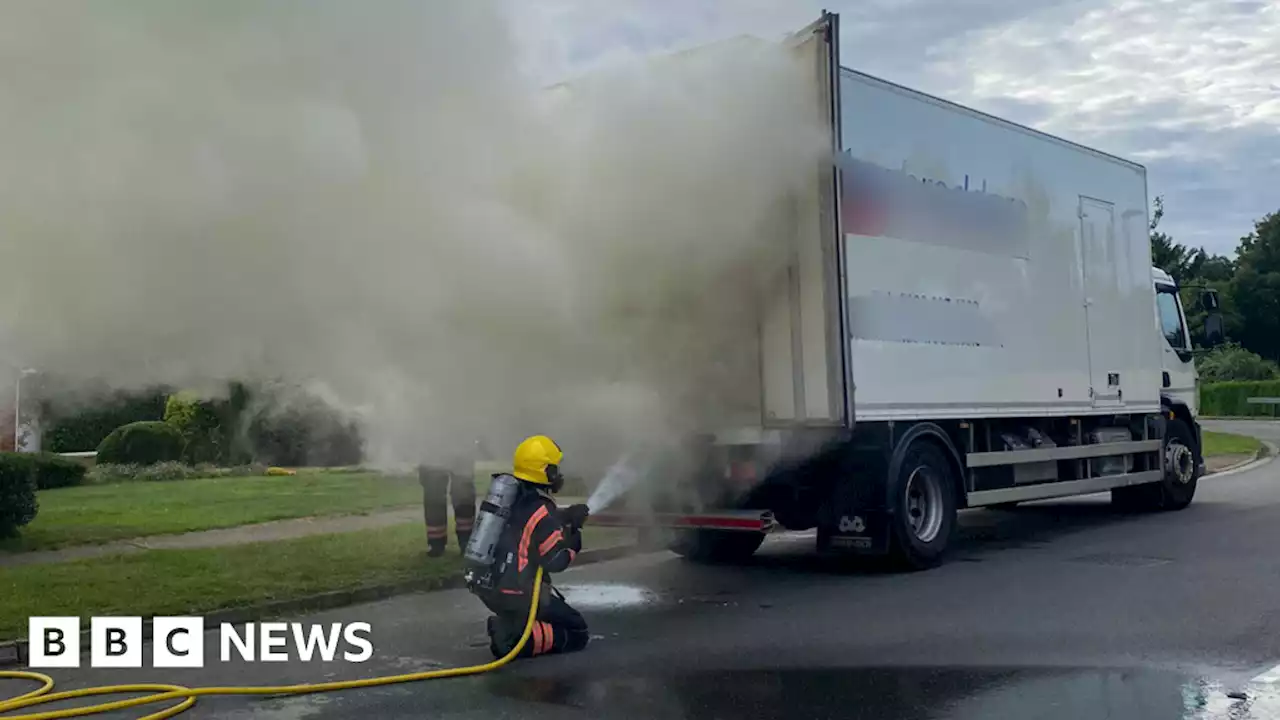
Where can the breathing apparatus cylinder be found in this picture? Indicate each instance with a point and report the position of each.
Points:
(491, 520)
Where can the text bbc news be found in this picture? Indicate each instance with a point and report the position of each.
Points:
(179, 642)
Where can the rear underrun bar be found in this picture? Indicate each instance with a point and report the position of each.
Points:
(760, 521)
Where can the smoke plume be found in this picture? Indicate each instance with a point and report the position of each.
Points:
(368, 198)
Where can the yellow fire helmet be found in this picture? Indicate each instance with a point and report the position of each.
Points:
(533, 457)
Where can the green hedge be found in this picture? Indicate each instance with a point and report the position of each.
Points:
(17, 492)
(77, 429)
(49, 471)
(141, 443)
(1228, 399)
(57, 472)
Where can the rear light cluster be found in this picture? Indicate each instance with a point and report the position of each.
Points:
(741, 472)
(741, 466)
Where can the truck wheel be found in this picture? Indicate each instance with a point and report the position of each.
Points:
(1182, 469)
(923, 507)
(1181, 475)
(716, 546)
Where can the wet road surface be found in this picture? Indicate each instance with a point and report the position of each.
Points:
(1053, 610)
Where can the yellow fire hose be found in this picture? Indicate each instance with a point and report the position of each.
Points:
(164, 693)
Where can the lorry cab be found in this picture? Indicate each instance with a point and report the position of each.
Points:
(1179, 382)
(1178, 377)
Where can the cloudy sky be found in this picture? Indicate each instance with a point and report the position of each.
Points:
(1190, 88)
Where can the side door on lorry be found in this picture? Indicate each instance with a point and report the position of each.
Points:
(804, 370)
(1106, 334)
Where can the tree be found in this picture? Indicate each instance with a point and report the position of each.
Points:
(1260, 249)
(1212, 268)
(1256, 288)
(1169, 256)
(1209, 271)
(1192, 270)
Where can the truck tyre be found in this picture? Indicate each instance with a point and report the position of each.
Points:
(922, 503)
(1182, 466)
(716, 546)
(1181, 475)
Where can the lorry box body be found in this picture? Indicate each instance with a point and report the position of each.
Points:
(989, 270)
(993, 271)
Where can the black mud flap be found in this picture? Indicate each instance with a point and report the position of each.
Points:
(861, 532)
(1201, 468)
(855, 519)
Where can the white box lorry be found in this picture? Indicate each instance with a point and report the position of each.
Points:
(971, 319)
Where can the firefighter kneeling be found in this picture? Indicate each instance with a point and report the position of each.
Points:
(520, 529)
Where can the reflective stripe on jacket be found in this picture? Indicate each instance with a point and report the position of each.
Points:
(535, 537)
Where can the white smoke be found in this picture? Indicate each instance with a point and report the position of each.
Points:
(368, 198)
(620, 477)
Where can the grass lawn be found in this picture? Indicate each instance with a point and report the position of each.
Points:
(99, 513)
(177, 582)
(1227, 444)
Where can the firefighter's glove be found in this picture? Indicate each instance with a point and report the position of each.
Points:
(575, 516)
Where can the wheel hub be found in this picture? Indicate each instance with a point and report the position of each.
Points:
(1180, 461)
(924, 504)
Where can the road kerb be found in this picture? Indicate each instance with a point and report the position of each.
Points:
(1261, 456)
(14, 652)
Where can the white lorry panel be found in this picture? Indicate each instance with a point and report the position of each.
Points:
(991, 270)
(802, 363)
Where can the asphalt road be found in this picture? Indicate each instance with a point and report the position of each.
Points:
(1050, 611)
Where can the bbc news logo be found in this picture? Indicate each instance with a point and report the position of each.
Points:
(178, 642)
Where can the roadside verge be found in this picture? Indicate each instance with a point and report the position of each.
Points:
(1261, 456)
(15, 652)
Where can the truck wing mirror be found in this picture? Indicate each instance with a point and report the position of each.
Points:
(1213, 332)
(1209, 300)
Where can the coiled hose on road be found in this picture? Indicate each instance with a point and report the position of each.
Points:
(163, 692)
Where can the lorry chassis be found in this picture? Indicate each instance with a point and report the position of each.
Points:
(894, 488)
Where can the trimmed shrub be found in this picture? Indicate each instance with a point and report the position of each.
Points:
(1229, 399)
(17, 492)
(203, 436)
(57, 472)
(141, 443)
